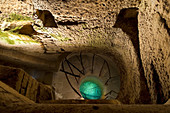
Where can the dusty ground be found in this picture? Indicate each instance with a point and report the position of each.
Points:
(85, 108)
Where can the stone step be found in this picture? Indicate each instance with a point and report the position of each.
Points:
(85, 108)
(23, 83)
(73, 101)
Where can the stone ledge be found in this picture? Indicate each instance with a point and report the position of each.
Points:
(10, 96)
(86, 108)
(23, 83)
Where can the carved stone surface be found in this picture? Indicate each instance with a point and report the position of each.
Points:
(23, 83)
(10, 96)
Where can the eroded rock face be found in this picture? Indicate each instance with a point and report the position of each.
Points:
(154, 38)
(9, 96)
(46, 17)
(25, 84)
(17, 6)
(134, 34)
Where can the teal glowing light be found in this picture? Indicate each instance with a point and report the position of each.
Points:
(90, 90)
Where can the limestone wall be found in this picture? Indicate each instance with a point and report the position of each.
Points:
(25, 84)
(41, 4)
(154, 38)
(16, 6)
(10, 96)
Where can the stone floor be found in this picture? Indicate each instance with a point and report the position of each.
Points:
(74, 101)
(85, 108)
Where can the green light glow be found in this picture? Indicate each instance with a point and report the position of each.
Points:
(91, 88)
